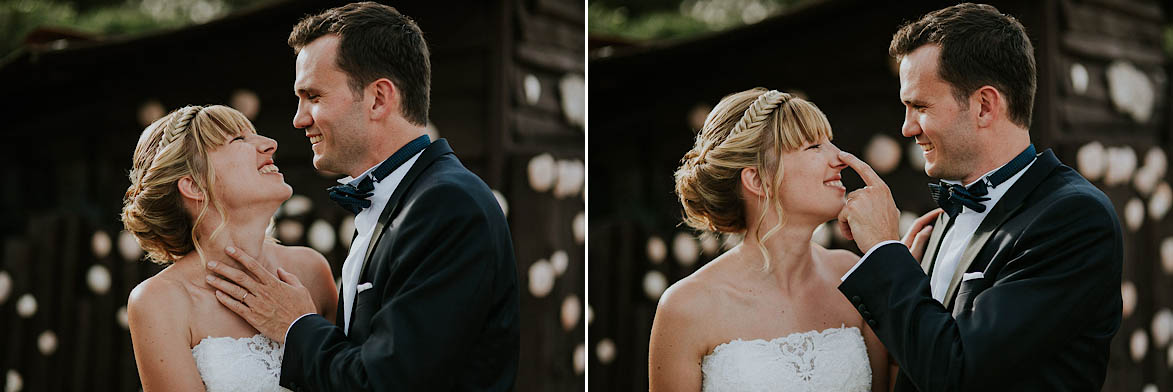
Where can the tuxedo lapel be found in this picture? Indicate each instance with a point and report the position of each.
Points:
(437, 149)
(429, 155)
(1007, 206)
(926, 261)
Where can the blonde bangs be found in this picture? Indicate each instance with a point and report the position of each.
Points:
(798, 123)
(220, 124)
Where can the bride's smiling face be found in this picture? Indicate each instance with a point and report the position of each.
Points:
(811, 183)
(245, 172)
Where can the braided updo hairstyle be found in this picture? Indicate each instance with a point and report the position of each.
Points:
(749, 129)
(172, 147)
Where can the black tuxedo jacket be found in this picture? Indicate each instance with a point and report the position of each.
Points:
(443, 312)
(1041, 318)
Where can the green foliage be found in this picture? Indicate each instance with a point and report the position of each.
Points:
(1168, 41)
(105, 17)
(602, 19)
(669, 19)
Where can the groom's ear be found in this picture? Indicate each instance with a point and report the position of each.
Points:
(990, 104)
(751, 181)
(386, 102)
(189, 189)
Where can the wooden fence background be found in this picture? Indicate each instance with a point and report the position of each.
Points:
(1102, 105)
(507, 91)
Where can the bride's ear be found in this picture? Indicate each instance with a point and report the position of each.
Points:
(189, 189)
(751, 182)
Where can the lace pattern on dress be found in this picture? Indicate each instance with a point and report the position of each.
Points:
(834, 359)
(251, 364)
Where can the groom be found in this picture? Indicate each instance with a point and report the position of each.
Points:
(1019, 287)
(429, 298)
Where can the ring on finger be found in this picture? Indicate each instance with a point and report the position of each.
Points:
(245, 296)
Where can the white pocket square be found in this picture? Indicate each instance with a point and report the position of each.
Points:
(363, 287)
(972, 275)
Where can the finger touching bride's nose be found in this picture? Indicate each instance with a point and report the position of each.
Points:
(869, 176)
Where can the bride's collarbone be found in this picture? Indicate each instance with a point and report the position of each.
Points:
(749, 313)
(209, 318)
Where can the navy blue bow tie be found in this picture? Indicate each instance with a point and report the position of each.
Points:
(354, 198)
(952, 197)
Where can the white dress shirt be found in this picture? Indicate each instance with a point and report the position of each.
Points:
(964, 227)
(364, 225)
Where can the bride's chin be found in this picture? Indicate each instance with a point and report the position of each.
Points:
(837, 210)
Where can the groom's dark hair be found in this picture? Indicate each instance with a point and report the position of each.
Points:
(979, 46)
(375, 41)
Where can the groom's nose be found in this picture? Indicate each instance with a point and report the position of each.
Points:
(302, 119)
(911, 127)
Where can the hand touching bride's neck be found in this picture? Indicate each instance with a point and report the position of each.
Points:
(245, 230)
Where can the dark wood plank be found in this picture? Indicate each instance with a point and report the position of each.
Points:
(1109, 21)
(543, 29)
(549, 57)
(568, 11)
(538, 126)
(1139, 9)
(1109, 48)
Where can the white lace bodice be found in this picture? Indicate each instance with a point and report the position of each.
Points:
(834, 359)
(250, 364)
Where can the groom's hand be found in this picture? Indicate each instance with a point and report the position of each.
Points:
(870, 215)
(269, 303)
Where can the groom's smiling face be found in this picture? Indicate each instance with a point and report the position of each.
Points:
(943, 127)
(329, 110)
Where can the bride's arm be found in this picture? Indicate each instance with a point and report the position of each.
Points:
(675, 348)
(157, 314)
(881, 371)
(894, 369)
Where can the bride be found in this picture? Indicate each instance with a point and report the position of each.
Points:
(203, 180)
(767, 314)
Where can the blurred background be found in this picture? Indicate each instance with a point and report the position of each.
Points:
(657, 67)
(82, 78)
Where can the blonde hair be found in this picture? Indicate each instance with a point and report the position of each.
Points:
(749, 129)
(171, 148)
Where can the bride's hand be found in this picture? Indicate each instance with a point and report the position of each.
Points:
(917, 237)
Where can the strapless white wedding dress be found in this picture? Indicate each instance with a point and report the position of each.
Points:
(834, 359)
(250, 364)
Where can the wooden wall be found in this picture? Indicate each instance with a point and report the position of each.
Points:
(835, 54)
(72, 132)
(546, 46)
(1097, 36)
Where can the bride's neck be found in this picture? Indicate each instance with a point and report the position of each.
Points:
(245, 230)
(789, 248)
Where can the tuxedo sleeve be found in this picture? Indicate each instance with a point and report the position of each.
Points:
(423, 328)
(1062, 273)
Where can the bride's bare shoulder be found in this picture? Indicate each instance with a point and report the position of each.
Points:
(685, 316)
(162, 298)
(840, 260)
(299, 259)
(682, 300)
(311, 268)
(696, 295)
